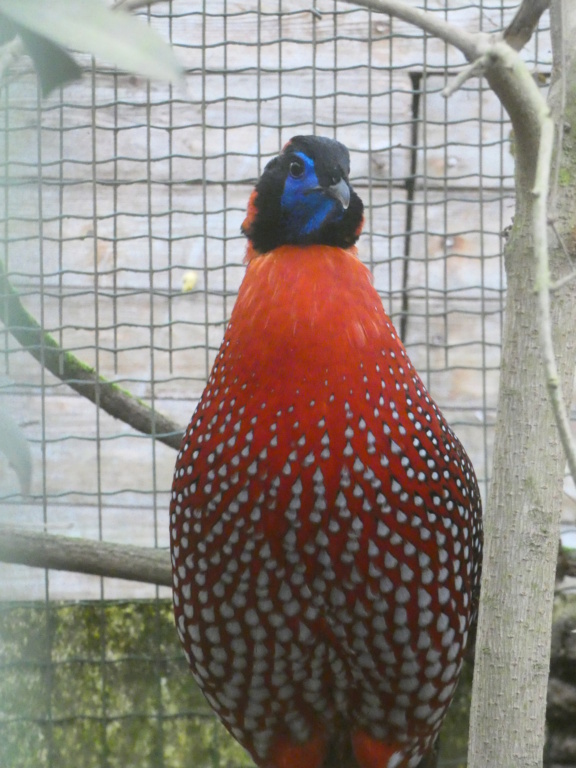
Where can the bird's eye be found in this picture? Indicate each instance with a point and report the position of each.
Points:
(296, 169)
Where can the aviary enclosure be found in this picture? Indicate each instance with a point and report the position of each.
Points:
(120, 216)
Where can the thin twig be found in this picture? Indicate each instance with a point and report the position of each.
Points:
(553, 287)
(469, 71)
(116, 401)
(542, 287)
(561, 243)
(99, 558)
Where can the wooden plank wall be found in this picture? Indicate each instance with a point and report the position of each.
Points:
(118, 188)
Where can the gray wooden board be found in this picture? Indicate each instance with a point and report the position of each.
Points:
(227, 138)
(132, 250)
(457, 241)
(466, 139)
(394, 38)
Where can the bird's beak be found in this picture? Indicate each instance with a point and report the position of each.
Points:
(341, 192)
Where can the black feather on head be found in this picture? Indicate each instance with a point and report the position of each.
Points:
(304, 197)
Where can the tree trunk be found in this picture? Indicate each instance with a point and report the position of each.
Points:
(524, 505)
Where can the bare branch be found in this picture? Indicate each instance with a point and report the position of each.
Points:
(64, 553)
(471, 45)
(472, 69)
(541, 192)
(524, 23)
(507, 74)
(561, 282)
(116, 401)
(99, 558)
(479, 48)
(540, 239)
(513, 84)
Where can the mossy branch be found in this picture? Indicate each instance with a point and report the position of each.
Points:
(116, 401)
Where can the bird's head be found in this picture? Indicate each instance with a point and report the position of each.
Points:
(304, 197)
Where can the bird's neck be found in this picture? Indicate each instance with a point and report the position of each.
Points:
(305, 309)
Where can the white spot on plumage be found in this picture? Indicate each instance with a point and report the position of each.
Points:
(390, 561)
(442, 622)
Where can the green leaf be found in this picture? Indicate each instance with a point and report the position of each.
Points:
(53, 65)
(91, 27)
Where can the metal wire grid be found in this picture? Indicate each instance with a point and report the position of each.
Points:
(116, 189)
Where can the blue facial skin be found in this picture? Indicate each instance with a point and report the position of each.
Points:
(304, 205)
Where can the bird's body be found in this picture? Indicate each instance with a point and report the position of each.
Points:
(325, 520)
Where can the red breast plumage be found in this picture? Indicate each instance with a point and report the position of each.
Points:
(325, 524)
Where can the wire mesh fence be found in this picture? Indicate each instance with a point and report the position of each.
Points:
(120, 230)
